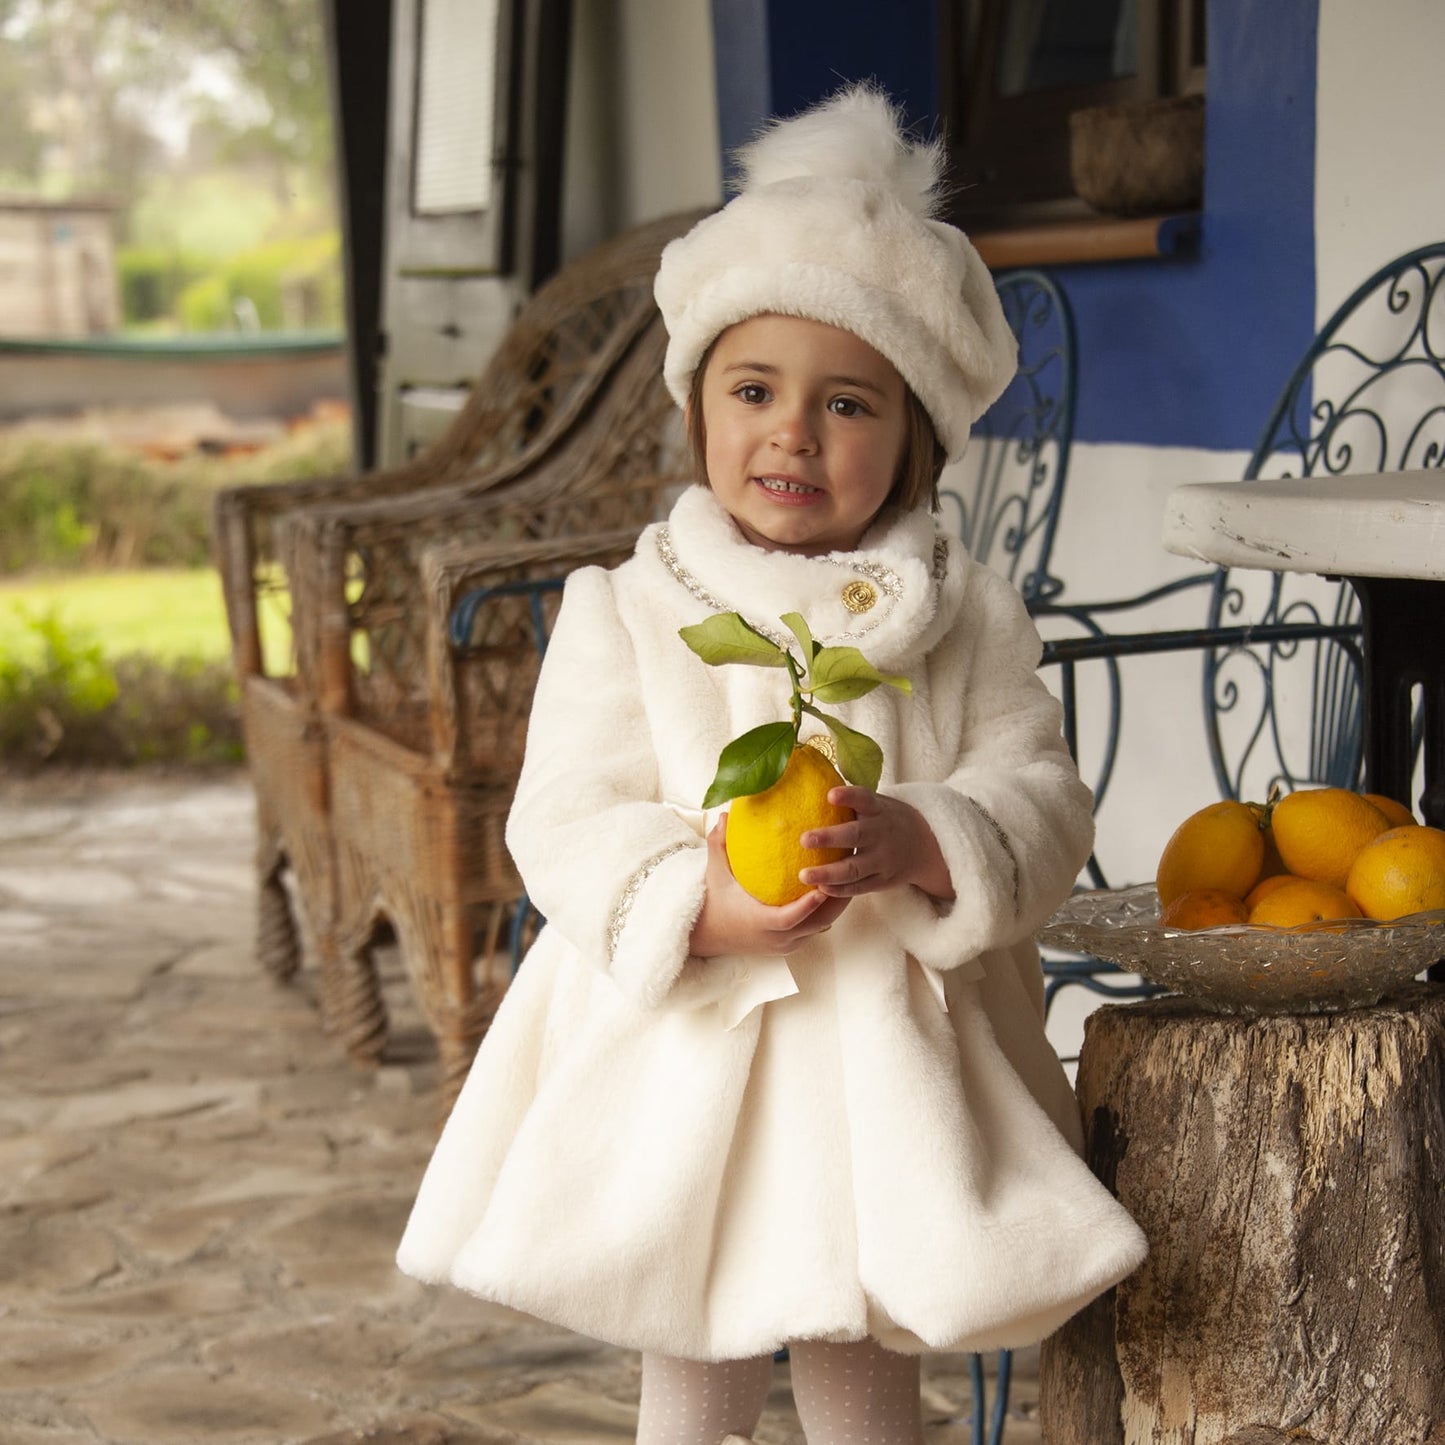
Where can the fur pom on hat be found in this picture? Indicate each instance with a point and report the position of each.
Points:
(835, 222)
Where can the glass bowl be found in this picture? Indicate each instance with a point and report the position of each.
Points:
(1243, 969)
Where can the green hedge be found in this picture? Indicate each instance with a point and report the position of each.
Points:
(73, 707)
(152, 279)
(83, 504)
(294, 285)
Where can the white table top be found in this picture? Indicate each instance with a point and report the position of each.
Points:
(1389, 524)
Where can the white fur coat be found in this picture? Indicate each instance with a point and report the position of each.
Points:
(710, 1158)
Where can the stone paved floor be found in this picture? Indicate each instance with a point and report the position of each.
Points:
(199, 1197)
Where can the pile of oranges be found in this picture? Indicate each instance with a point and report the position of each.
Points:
(1314, 857)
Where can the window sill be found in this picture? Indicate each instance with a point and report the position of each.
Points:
(1092, 238)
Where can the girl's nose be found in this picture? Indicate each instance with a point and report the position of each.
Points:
(793, 430)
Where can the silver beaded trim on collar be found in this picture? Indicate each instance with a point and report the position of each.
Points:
(885, 578)
(668, 554)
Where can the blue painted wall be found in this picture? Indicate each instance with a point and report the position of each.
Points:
(774, 57)
(1172, 353)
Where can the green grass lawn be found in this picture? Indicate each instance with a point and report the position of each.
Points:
(160, 612)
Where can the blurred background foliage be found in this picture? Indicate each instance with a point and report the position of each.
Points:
(209, 121)
(208, 124)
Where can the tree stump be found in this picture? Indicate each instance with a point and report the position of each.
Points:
(1287, 1171)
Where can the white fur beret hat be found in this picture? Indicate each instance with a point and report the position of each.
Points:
(834, 222)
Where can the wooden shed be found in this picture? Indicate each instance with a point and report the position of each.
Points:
(57, 267)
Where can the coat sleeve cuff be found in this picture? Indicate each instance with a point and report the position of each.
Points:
(984, 870)
(651, 924)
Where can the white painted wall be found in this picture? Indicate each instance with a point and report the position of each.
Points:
(642, 132)
(1379, 192)
(1379, 178)
(1108, 546)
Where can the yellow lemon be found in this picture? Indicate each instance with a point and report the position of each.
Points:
(764, 828)
(1221, 846)
(1319, 832)
(1303, 901)
(1400, 872)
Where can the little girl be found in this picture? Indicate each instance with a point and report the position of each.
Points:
(706, 1128)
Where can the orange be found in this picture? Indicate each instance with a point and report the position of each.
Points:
(1204, 908)
(1397, 815)
(1266, 886)
(1320, 831)
(763, 828)
(1221, 846)
(1400, 872)
(1273, 865)
(1303, 901)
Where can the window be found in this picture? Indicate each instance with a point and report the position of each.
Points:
(1014, 70)
(456, 121)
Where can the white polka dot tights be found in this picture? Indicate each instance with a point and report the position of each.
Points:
(853, 1394)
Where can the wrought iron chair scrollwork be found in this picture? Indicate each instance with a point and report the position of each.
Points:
(1367, 396)
(1280, 651)
(1005, 497)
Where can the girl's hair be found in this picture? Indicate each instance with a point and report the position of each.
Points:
(919, 469)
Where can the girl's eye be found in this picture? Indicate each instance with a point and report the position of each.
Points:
(752, 392)
(846, 406)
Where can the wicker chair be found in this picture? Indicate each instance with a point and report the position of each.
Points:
(550, 375)
(423, 742)
(418, 823)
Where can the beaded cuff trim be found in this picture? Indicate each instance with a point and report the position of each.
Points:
(1007, 847)
(623, 909)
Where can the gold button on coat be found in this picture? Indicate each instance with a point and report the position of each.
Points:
(859, 596)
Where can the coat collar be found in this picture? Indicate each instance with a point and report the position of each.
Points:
(883, 598)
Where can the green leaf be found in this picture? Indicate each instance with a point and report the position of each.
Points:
(842, 673)
(725, 637)
(844, 689)
(860, 759)
(751, 763)
(797, 625)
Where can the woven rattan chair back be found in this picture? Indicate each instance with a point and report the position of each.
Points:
(562, 343)
(357, 568)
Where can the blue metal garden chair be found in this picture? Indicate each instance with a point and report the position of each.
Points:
(1004, 498)
(1368, 395)
(1280, 651)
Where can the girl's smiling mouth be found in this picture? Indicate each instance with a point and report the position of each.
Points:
(787, 487)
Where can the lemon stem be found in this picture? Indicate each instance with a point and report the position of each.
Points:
(796, 701)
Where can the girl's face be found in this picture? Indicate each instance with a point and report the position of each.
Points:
(806, 426)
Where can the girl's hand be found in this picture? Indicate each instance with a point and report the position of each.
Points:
(733, 921)
(892, 844)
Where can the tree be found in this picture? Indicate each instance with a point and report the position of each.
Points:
(278, 49)
(86, 78)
